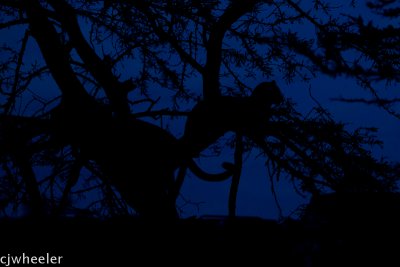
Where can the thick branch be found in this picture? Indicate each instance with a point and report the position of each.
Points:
(236, 175)
(35, 199)
(14, 93)
(214, 45)
(115, 90)
(55, 55)
(74, 175)
(15, 135)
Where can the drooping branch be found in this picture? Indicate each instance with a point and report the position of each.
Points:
(374, 101)
(304, 14)
(11, 23)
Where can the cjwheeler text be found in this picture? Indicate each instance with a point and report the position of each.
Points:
(10, 260)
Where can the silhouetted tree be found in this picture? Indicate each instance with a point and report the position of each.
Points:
(90, 88)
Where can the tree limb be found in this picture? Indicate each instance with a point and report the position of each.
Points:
(55, 55)
(115, 90)
(238, 156)
(234, 11)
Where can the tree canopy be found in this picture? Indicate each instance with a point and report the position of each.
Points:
(94, 96)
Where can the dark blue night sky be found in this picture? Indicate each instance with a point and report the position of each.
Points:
(255, 197)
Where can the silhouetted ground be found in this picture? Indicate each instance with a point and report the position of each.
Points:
(132, 242)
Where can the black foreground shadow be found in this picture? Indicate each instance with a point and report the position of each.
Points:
(353, 241)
